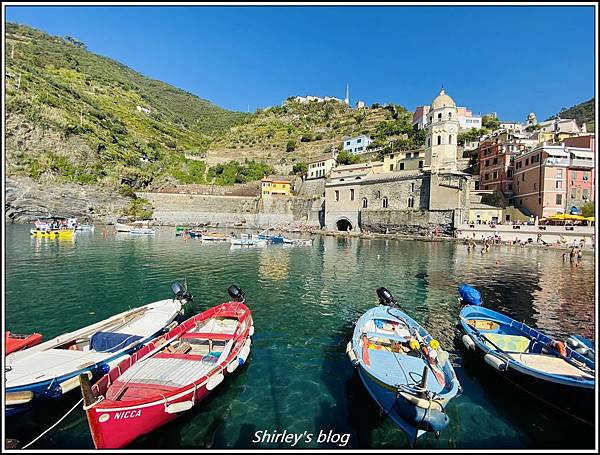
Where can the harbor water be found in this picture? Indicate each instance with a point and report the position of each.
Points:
(304, 301)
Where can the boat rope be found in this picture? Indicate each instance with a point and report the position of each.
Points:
(53, 426)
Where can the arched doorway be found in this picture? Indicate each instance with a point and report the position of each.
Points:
(344, 225)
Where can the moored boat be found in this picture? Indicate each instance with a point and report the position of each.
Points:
(403, 368)
(543, 366)
(15, 342)
(51, 369)
(142, 231)
(170, 375)
(53, 227)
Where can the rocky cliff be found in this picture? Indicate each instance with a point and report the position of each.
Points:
(26, 200)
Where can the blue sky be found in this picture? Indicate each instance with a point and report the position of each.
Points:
(509, 60)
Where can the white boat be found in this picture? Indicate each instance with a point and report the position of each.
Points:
(247, 242)
(84, 227)
(122, 227)
(50, 369)
(142, 231)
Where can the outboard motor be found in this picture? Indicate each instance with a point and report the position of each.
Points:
(236, 293)
(180, 291)
(385, 297)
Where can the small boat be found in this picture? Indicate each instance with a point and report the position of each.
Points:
(128, 227)
(15, 342)
(170, 375)
(213, 237)
(51, 369)
(182, 230)
(84, 227)
(53, 227)
(142, 231)
(541, 365)
(403, 368)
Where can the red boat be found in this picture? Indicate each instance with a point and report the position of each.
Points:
(169, 375)
(14, 342)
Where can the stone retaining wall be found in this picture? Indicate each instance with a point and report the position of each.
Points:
(408, 222)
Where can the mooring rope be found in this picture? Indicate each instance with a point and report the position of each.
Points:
(59, 420)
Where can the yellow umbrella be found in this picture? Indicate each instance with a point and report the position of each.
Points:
(590, 218)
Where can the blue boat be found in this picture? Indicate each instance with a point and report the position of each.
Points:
(403, 368)
(541, 365)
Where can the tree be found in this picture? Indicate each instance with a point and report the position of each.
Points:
(490, 122)
(588, 209)
(300, 168)
(345, 157)
(290, 146)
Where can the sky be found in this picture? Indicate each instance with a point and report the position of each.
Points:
(508, 60)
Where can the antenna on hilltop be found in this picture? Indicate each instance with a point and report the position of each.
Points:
(347, 99)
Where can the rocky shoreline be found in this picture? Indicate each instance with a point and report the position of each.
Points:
(26, 200)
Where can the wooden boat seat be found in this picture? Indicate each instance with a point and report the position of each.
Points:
(508, 343)
(208, 336)
(135, 391)
(551, 365)
(483, 324)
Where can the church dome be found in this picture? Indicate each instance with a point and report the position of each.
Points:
(442, 100)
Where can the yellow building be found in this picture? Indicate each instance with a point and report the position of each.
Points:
(274, 186)
(406, 160)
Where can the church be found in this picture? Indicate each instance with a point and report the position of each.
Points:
(433, 197)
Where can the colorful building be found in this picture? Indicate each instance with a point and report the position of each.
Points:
(405, 160)
(276, 186)
(321, 166)
(551, 178)
(357, 145)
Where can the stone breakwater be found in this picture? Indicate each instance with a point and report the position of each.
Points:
(26, 200)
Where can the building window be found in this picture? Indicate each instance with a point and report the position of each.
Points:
(352, 194)
(526, 161)
(487, 163)
(495, 175)
(510, 187)
(559, 199)
(558, 184)
(428, 142)
(348, 143)
(401, 166)
(574, 193)
(509, 173)
(449, 114)
(391, 167)
(384, 203)
(365, 203)
(439, 140)
(412, 187)
(420, 164)
(523, 177)
(449, 139)
(539, 201)
(496, 160)
(534, 186)
(358, 141)
(392, 156)
(337, 196)
(378, 194)
(486, 177)
(440, 116)
(411, 202)
(574, 174)
(586, 193)
(520, 201)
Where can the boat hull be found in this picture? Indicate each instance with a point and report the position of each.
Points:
(154, 408)
(49, 370)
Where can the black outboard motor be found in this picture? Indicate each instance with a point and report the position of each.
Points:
(180, 291)
(236, 293)
(385, 297)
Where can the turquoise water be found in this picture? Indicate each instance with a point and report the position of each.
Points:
(304, 301)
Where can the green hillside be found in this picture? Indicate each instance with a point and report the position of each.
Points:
(582, 113)
(74, 115)
(297, 132)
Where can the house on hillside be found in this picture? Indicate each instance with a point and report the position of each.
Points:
(357, 145)
(274, 185)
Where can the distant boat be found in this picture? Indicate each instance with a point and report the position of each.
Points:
(51, 369)
(142, 231)
(84, 227)
(541, 365)
(169, 376)
(122, 227)
(53, 227)
(403, 368)
(14, 342)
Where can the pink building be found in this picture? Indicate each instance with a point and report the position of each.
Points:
(550, 179)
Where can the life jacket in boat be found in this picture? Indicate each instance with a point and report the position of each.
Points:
(559, 346)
